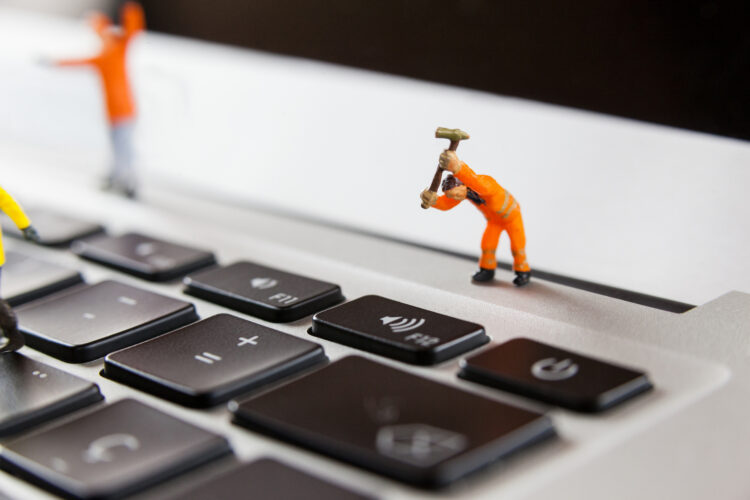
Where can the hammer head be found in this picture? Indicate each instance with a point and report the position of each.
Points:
(452, 134)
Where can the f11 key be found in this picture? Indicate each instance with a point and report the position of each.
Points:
(263, 292)
(553, 375)
(397, 330)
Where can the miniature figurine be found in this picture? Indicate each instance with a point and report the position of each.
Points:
(11, 339)
(111, 65)
(496, 204)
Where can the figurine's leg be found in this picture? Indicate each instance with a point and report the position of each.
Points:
(488, 262)
(10, 338)
(518, 249)
(122, 176)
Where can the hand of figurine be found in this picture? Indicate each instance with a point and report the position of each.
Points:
(30, 234)
(429, 198)
(449, 161)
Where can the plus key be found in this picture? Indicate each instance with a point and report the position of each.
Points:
(211, 361)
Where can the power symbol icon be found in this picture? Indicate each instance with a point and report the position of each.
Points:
(553, 370)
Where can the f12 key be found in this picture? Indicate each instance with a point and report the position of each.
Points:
(397, 330)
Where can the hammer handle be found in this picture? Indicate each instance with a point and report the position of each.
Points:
(439, 173)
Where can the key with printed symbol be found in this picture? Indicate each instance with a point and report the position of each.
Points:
(270, 479)
(26, 278)
(392, 422)
(148, 258)
(111, 452)
(397, 330)
(263, 292)
(211, 361)
(32, 392)
(90, 321)
(555, 376)
(55, 229)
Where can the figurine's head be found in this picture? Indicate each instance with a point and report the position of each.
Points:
(132, 17)
(454, 189)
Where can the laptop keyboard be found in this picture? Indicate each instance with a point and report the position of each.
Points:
(277, 387)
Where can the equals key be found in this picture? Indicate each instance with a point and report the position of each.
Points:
(210, 361)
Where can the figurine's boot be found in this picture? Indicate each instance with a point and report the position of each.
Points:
(121, 183)
(484, 275)
(11, 339)
(522, 278)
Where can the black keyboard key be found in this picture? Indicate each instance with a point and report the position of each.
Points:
(211, 361)
(32, 393)
(268, 480)
(143, 256)
(553, 375)
(111, 452)
(398, 330)
(90, 321)
(54, 228)
(26, 278)
(263, 292)
(392, 422)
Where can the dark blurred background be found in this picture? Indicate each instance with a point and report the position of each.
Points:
(680, 63)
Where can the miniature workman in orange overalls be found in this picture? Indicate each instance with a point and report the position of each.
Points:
(10, 338)
(496, 204)
(110, 63)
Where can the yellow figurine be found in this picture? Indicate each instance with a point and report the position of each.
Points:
(11, 339)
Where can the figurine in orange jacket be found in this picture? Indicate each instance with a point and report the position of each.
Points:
(10, 338)
(496, 204)
(110, 63)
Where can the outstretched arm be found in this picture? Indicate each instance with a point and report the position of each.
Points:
(481, 184)
(76, 62)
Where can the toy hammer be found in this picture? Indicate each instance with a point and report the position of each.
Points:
(455, 135)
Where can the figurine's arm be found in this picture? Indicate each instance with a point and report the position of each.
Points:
(132, 19)
(13, 210)
(483, 185)
(77, 62)
(430, 199)
(445, 203)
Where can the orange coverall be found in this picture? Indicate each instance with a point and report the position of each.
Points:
(110, 62)
(502, 214)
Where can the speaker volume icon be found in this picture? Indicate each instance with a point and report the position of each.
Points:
(401, 325)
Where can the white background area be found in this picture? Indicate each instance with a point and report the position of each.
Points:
(637, 206)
